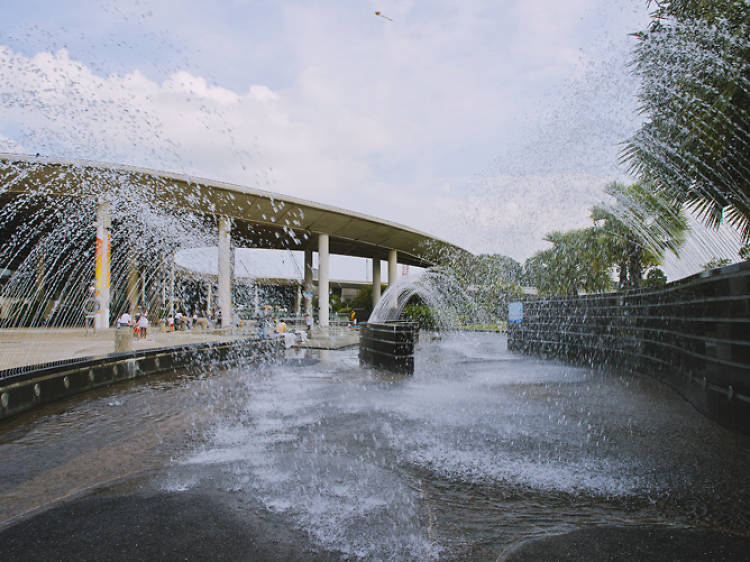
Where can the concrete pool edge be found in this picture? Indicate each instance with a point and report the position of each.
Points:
(49, 382)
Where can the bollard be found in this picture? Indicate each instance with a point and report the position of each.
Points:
(123, 339)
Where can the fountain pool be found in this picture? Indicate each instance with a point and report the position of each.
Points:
(316, 458)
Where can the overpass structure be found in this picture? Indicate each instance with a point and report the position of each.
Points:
(259, 219)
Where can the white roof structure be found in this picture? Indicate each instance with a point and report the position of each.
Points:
(269, 220)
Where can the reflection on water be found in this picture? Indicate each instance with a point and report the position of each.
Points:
(479, 449)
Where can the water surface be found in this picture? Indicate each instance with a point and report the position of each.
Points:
(478, 450)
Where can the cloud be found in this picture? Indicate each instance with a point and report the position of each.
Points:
(10, 146)
(511, 214)
(479, 123)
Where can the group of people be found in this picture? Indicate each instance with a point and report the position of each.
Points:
(179, 321)
(268, 324)
(182, 321)
(139, 324)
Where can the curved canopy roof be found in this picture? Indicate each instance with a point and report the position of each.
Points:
(262, 218)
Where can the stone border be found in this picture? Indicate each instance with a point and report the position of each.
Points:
(49, 382)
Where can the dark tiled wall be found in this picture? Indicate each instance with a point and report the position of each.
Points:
(693, 334)
(388, 346)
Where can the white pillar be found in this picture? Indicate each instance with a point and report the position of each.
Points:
(225, 272)
(146, 305)
(132, 283)
(41, 270)
(170, 309)
(102, 265)
(323, 280)
(375, 280)
(209, 297)
(308, 280)
(256, 299)
(297, 299)
(392, 267)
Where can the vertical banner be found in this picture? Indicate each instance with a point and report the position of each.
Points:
(102, 266)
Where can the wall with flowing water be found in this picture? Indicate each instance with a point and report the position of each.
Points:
(694, 334)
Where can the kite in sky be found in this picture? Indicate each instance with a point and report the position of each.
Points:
(382, 15)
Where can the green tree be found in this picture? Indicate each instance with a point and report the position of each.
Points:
(694, 66)
(497, 267)
(716, 262)
(362, 303)
(496, 279)
(490, 280)
(577, 261)
(637, 229)
(420, 314)
(655, 279)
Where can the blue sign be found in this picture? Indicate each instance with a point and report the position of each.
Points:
(515, 312)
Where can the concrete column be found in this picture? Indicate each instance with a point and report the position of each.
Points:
(225, 272)
(392, 267)
(102, 264)
(132, 284)
(41, 271)
(375, 281)
(170, 308)
(209, 297)
(256, 299)
(297, 299)
(323, 280)
(308, 281)
(146, 305)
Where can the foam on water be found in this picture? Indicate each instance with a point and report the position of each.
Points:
(342, 452)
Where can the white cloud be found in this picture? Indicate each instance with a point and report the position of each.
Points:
(511, 214)
(10, 146)
(335, 105)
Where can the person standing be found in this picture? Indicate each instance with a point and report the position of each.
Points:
(143, 325)
(260, 322)
(124, 320)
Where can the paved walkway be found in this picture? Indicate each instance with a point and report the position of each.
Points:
(331, 338)
(32, 346)
(29, 346)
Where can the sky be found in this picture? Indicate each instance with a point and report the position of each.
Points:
(484, 123)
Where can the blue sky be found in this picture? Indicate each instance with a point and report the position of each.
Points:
(485, 123)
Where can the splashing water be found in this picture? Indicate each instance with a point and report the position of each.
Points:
(438, 289)
(48, 256)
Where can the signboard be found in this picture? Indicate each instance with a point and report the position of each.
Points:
(515, 312)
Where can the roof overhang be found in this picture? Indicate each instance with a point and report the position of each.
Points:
(261, 219)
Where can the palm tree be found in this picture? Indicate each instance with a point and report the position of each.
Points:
(638, 229)
(576, 262)
(694, 145)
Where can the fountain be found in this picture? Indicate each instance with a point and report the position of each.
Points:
(387, 339)
(482, 453)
